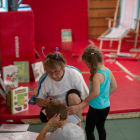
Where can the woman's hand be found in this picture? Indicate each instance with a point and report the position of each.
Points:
(55, 119)
(73, 109)
(45, 102)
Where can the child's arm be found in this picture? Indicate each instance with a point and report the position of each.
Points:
(75, 108)
(96, 88)
(43, 133)
(113, 83)
(53, 121)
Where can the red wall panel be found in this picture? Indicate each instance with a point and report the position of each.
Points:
(53, 15)
(17, 38)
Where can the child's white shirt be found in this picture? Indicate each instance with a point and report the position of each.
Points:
(67, 131)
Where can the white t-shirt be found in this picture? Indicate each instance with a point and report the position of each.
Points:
(67, 131)
(72, 79)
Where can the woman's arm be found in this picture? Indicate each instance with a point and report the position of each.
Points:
(41, 102)
(112, 83)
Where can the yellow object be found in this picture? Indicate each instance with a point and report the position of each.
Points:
(50, 123)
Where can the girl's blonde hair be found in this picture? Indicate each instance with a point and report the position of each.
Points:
(93, 56)
(52, 61)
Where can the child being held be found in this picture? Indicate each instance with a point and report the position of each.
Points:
(57, 114)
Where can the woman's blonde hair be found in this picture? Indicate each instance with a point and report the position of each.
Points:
(52, 61)
(93, 56)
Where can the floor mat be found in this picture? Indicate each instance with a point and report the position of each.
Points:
(127, 96)
(83, 68)
(125, 99)
(69, 48)
(132, 66)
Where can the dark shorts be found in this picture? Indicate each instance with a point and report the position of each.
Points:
(43, 116)
(75, 91)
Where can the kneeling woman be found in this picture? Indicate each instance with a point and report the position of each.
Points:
(60, 82)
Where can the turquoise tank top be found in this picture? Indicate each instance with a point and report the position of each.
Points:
(102, 101)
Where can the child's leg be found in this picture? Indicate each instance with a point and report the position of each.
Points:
(91, 120)
(100, 124)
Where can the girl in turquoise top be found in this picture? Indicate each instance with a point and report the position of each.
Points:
(102, 84)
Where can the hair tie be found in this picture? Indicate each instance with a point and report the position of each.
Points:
(56, 52)
(92, 53)
(43, 52)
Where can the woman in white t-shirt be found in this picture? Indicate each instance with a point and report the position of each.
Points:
(60, 81)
